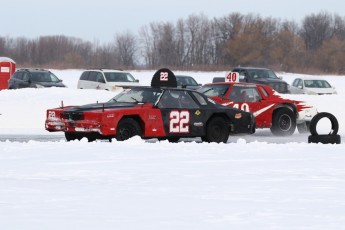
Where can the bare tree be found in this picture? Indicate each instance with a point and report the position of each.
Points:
(125, 49)
(316, 28)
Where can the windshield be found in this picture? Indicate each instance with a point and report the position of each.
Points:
(43, 77)
(189, 81)
(316, 84)
(138, 95)
(214, 90)
(118, 77)
(262, 73)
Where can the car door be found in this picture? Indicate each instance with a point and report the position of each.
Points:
(180, 113)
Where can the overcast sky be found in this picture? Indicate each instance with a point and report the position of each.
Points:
(101, 20)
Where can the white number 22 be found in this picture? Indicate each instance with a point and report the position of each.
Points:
(179, 122)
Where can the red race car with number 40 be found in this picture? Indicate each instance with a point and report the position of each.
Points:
(161, 111)
(268, 107)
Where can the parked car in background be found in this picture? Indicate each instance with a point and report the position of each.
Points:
(262, 76)
(218, 79)
(188, 82)
(270, 110)
(314, 86)
(107, 79)
(34, 78)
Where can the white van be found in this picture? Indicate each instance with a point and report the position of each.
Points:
(107, 79)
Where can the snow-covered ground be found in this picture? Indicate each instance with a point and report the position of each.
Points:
(151, 185)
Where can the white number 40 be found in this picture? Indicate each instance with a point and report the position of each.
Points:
(179, 122)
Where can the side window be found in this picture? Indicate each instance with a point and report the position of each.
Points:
(18, 75)
(93, 76)
(187, 102)
(25, 76)
(235, 93)
(300, 83)
(252, 95)
(200, 98)
(85, 76)
(177, 99)
(168, 100)
(100, 78)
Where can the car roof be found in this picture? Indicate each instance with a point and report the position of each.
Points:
(262, 68)
(234, 83)
(165, 88)
(311, 78)
(181, 76)
(33, 70)
(107, 70)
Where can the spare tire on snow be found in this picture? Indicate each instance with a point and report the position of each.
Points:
(332, 137)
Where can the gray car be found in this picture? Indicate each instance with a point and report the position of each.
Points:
(34, 78)
(262, 76)
(188, 82)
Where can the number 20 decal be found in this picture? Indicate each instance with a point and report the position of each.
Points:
(179, 122)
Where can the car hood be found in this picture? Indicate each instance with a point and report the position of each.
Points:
(50, 84)
(269, 80)
(320, 91)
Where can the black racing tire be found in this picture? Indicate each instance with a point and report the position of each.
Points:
(173, 139)
(318, 117)
(324, 139)
(303, 127)
(283, 122)
(72, 136)
(217, 130)
(127, 128)
(170, 139)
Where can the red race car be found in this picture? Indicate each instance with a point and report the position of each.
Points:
(159, 111)
(269, 108)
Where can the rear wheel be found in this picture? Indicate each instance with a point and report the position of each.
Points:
(72, 136)
(127, 128)
(217, 130)
(173, 139)
(283, 122)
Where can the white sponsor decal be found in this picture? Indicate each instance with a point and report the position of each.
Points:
(5, 69)
(257, 113)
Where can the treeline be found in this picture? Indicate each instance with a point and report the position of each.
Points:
(315, 45)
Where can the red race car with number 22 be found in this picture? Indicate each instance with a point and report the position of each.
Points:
(161, 111)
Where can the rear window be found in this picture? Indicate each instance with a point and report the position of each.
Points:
(119, 77)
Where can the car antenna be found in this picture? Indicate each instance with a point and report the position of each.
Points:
(61, 104)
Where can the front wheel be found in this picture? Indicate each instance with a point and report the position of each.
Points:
(127, 128)
(283, 122)
(217, 130)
